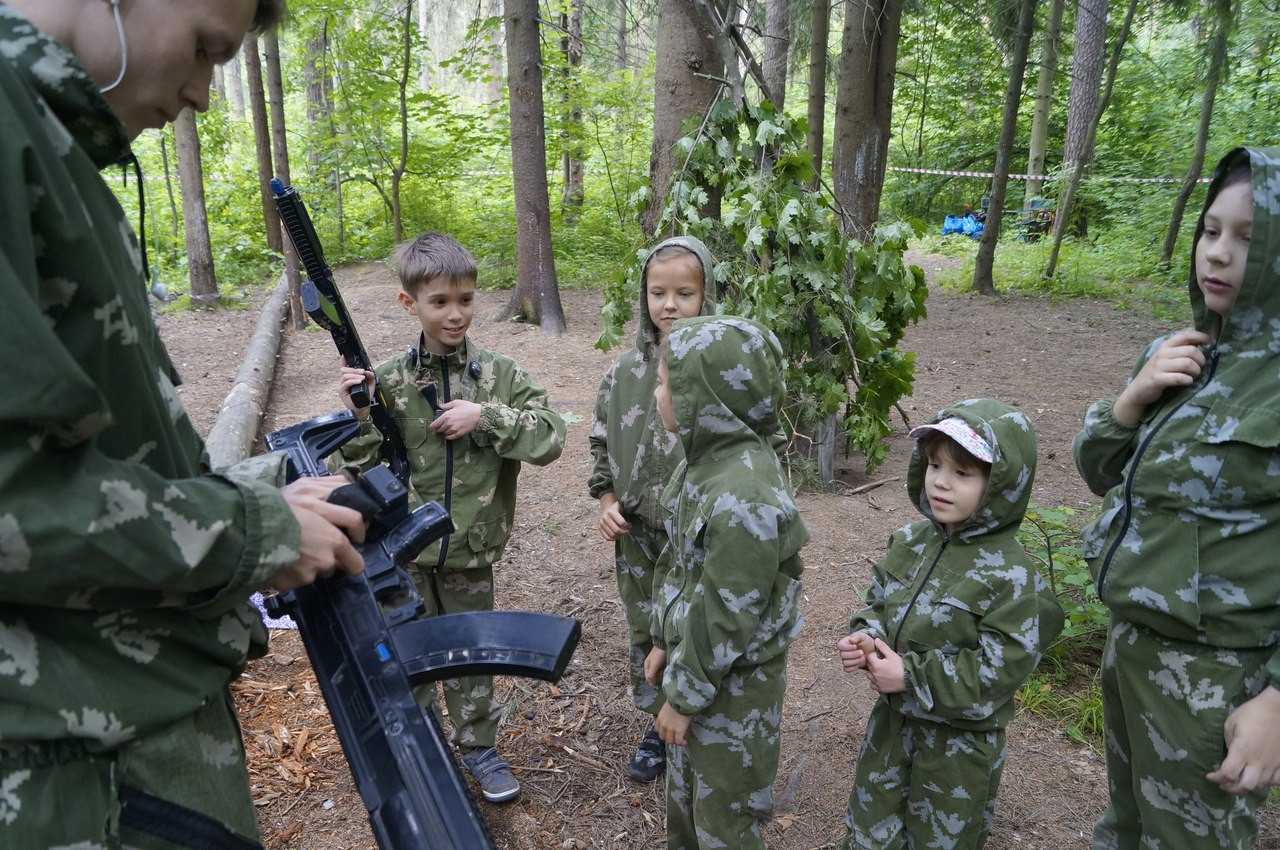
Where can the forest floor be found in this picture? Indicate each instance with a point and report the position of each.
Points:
(568, 742)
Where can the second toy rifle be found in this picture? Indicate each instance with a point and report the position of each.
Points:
(323, 303)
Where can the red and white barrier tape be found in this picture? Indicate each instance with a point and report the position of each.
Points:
(1040, 176)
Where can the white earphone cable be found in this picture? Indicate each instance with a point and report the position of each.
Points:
(124, 53)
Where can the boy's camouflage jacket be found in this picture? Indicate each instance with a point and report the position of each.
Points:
(516, 426)
(970, 614)
(1189, 528)
(728, 585)
(125, 566)
(632, 454)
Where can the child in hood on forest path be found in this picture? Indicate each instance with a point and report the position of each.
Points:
(1183, 553)
(727, 588)
(469, 417)
(957, 618)
(633, 455)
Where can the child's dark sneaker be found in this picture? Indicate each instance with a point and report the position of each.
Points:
(493, 773)
(650, 758)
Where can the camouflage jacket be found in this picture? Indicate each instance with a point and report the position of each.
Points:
(728, 584)
(516, 426)
(125, 565)
(1190, 518)
(970, 614)
(632, 454)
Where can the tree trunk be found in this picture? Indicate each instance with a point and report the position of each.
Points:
(496, 69)
(1044, 100)
(864, 105)
(220, 83)
(261, 139)
(985, 260)
(1082, 104)
(777, 45)
(280, 151)
(571, 161)
(685, 85)
(536, 297)
(624, 26)
(1224, 18)
(1075, 176)
(168, 186)
(235, 88)
(204, 285)
(317, 104)
(818, 84)
(397, 173)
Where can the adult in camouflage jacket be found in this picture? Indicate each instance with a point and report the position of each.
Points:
(126, 564)
(729, 585)
(1182, 553)
(475, 478)
(632, 458)
(969, 615)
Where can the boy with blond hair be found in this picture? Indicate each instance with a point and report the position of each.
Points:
(468, 417)
(633, 456)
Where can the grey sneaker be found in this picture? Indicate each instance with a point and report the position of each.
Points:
(493, 773)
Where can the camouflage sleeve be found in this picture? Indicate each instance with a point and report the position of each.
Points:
(81, 527)
(974, 682)
(662, 599)
(1103, 447)
(742, 543)
(519, 425)
(869, 619)
(364, 450)
(601, 479)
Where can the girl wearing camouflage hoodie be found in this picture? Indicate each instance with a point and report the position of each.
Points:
(727, 588)
(957, 617)
(633, 455)
(1183, 554)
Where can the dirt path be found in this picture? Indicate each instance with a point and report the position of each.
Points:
(569, 741)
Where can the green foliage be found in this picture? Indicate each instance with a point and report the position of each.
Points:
(838, 307)
(1064, 688)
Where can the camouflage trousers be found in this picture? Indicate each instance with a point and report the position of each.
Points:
(635, 555)
(921, 784)
(1165, 703)
(182, 786)
(720, 786)
(472, 708)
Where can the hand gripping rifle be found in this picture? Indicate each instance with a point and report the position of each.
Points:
(323, 303)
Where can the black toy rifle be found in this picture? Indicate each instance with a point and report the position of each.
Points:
(369, 650)
(323, 303)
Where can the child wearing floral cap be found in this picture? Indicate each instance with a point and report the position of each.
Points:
(957, 617)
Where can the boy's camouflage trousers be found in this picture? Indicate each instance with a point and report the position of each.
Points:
(636, 554)
(472, 708)
(1165, 703)
(922, 784)
(720, 786)
(186, 781)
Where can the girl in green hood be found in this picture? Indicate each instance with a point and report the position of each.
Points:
(1183, 553)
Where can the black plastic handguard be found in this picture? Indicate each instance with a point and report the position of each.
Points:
(369, 650)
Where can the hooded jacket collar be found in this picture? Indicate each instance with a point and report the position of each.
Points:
(66, 87)
(647, 336)
(1012, 438)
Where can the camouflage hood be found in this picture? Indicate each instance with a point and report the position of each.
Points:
(647, 336)
(1251, 328)
(1012, 438)
(726, 377)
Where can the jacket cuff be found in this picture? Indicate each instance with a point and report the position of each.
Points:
(490, 418)
(1100, 421)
